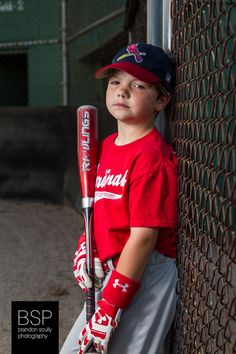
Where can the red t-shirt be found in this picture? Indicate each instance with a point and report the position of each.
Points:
(136, 186)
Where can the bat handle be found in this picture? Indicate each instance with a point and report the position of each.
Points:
(90, 308)
(90, 299)
(91, 350)
(90, 294)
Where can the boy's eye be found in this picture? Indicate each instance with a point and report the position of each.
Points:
(114, 82)
(138, 85)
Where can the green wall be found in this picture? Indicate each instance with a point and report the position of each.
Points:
(33, 27)
(88, 44)
(45, 77)
(34, 19)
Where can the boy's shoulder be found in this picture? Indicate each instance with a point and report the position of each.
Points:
(155, 153)
(155, 145)
(109, 139)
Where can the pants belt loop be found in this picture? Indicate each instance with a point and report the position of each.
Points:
(110, 264)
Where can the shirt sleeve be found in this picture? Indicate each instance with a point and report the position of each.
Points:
(153, 199)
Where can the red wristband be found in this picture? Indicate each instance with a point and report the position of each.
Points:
(120, 290)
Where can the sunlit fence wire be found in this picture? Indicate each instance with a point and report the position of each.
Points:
(203, 44)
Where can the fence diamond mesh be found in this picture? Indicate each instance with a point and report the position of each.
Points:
(203, 44)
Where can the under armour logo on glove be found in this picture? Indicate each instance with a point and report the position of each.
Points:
(101, 319)
(124, 287)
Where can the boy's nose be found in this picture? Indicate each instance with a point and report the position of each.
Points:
(123, 92)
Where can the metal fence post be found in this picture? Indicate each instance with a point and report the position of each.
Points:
(159, 33)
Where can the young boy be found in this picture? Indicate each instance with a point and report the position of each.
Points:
(135, 214)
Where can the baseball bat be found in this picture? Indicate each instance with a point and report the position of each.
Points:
(87, 152)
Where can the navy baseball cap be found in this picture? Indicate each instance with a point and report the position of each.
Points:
(146, 62)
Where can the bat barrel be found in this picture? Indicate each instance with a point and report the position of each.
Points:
(87, 149)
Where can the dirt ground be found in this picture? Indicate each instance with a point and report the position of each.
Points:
(37, 243)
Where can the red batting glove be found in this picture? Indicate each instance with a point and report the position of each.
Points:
(80, 268)
(117, 295)
(100, 328)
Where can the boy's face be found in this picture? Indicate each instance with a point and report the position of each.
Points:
(131, 100)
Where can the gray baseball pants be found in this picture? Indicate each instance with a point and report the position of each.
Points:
(145, 323)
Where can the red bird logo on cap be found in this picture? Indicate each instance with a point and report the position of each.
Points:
(133, 49)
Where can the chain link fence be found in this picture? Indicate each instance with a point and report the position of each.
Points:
(203, 44)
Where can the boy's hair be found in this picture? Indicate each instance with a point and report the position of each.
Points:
(161, 89)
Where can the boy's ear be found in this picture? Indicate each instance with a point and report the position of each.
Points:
(162, 102)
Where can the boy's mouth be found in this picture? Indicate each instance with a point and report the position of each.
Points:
(120, 104)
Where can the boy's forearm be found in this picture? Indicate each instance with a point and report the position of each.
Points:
(136, 252)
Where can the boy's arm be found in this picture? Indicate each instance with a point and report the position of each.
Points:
(120, 289)
(136, 252)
